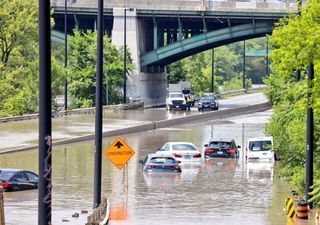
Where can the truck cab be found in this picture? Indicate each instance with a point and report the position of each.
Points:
(176, 100)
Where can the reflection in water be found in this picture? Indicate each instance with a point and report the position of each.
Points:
(216, 191)
(260, 170)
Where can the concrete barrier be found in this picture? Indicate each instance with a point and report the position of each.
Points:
(161, 124)
(214, 115)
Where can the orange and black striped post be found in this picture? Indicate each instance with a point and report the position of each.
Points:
(302, 210)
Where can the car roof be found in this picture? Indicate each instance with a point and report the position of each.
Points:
(161, 154)
(260, 139)
(221, 139)
(175, 92)
(179, 142)
(10, 170)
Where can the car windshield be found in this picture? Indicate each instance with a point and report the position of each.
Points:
(162, 160)
(183, 147)
(260, 145)
(220, 144)
(207, 98)
(177, 95)
(6, 175)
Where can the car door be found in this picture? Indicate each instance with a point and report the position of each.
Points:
(19, 181)
(33, 180)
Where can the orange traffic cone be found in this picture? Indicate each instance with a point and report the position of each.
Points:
(317, 217)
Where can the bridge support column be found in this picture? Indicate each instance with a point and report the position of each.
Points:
(151, 87)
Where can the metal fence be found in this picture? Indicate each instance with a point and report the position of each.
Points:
(192, 5)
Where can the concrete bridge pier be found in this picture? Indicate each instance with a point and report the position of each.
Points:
(151, 86)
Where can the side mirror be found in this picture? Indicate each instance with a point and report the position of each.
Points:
(159, 149)
(178, 161)
(141, 161)
(238, 146)
(206, 145)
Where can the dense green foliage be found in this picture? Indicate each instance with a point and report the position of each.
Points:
(19, 63)
(82, 69)
(295, 43)
(228, 68)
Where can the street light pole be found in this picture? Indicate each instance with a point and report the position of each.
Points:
(125, 58)
(99, 117)
(244, 65)
(212, 71)
(65, 56)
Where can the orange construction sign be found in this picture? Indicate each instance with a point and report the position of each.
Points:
(119, 152)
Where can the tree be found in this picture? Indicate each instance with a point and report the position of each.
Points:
(82, 69)
(295, 42)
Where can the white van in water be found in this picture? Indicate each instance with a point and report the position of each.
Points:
(260, 148)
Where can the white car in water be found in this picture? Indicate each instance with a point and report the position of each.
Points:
(260, 148)
(183, 151)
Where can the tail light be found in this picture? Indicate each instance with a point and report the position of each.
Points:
(208, 150)
(197, 156)
(149, 166)
(5, 185)
(177, 155)
(231, 151)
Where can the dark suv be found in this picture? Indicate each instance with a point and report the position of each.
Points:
(208, 101)
(226, 148)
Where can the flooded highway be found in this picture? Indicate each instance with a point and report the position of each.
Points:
(215, 191)
(25, 133)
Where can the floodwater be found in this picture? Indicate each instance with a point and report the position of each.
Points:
(216, 191)
(25, 133)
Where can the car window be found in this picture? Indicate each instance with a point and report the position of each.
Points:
(186, 91)
(178, 95)
(162, 160)
(207, 98)
(183, 147)
(5, 175)
(32, 177)
(165, 147)
(20, 177)
(219, 144)
(260, 145)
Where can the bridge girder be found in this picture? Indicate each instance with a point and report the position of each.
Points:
(198, 43)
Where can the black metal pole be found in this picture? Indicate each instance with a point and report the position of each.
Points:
(125, 58)
(309, 148)
(212, 71)
(298, 75)
(65, 56)
(267, 57)
(244, 65)
(98, 122)
(45, 126)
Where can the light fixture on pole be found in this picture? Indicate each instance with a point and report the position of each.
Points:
(125, 55)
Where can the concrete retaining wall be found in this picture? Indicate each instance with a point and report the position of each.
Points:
(161, 124)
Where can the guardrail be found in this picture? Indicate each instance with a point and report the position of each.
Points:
(131, 105)
(100, 215)
(191, 5)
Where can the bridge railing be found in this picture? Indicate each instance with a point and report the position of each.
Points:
(194, 5)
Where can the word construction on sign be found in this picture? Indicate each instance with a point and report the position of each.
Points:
(119, 152)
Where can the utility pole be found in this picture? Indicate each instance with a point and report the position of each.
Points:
(309, 147)
(125, 57)
(45, 123)
(98, 119)
(65, 56)
(212, 71)
(244, 65)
